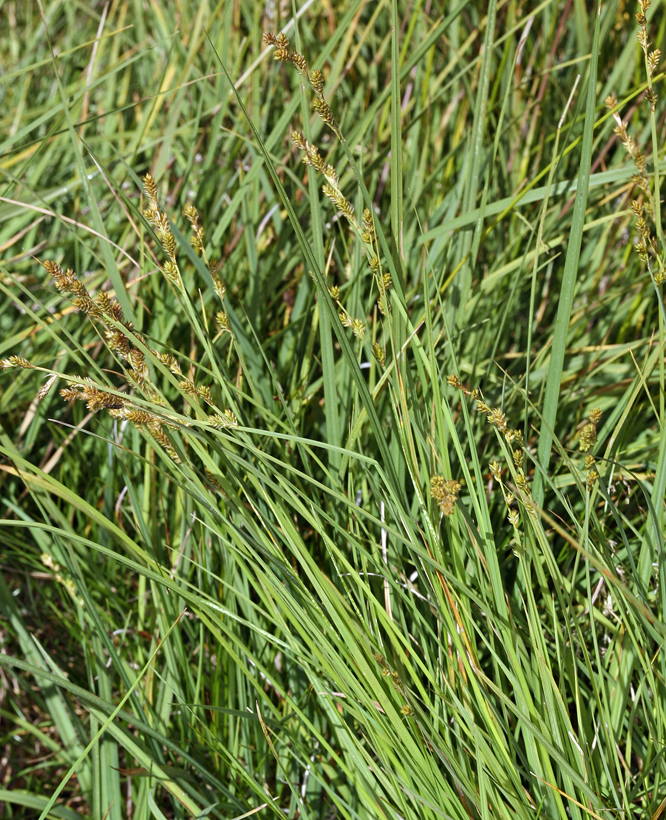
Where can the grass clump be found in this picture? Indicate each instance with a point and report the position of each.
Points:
(338, 509)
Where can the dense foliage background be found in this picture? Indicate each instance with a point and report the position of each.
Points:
(352, 502)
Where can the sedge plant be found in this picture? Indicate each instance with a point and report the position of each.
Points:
(317, 500)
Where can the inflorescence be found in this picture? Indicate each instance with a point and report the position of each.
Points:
(331, 190)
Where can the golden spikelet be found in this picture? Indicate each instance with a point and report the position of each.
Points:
(445, 492)
(212, 480)
(138, 362)
(171, 362)
(206, 394)
(219, 286)
(53, 269)
(163, 440)
(368, 224)
(70, 393)
(86, 304)
(104, 304)
(299, 63)
(281, 44)
(16, 361)
(653, 60)
(94, 397)
(588, 435)
(324, 110)
(358, 328)
(100, 400)
(188, 387)
(172, 273)
(317, 81)
(118, 342)
(117, 312)
(379, 353)
(169, 244)
(299, 140)
(150, 187)
(592, 474)
(230, 416)
(222, 322)
(138, 417)
(227, 419)
(340, 202)
(192, 215)
(76, 286)
(44, 390)
(61, 279)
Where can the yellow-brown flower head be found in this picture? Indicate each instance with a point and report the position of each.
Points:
(445, 492)
(588, 435)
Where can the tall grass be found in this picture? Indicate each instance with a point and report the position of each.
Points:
(332, 452)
